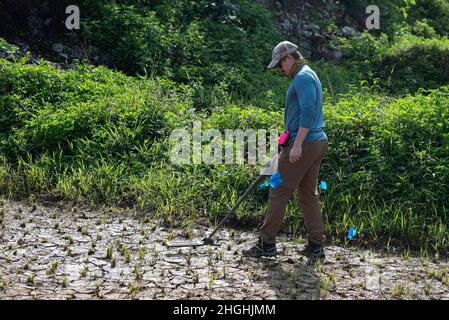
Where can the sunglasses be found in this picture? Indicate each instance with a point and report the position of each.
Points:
(279, 65)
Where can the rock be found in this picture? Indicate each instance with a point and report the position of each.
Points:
(304, 45)
(349, 32)
(332, 53)
(337, 56)
(307, 34)
(286, 25)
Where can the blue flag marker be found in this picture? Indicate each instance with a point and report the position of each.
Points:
(275, 180)
(352, 233)
(323, 185)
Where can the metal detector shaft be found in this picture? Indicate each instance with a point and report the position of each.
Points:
(239, 201)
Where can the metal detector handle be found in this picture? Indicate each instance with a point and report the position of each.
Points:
(271, 167)
(239, 201)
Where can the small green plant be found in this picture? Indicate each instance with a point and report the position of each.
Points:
(54, 265)
(84, 272)
(398, 291)
(30, 279)
(211, 281)
(84, 231)
(109, 252)
(122, 250)
(427, 289)
(196, 278)
(64, 282)
(142, 252)
(133, 288)
(2, 284)
(154, 258)
(69, 239)
(137, 273)
(362, 285)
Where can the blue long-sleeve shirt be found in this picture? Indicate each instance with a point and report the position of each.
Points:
(304, 105)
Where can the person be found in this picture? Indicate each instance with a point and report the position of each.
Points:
(300, 156)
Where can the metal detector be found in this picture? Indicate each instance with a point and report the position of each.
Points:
(268, 170)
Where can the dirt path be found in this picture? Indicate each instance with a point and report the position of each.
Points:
(54, 253)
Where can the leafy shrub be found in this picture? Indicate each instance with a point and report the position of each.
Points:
(436, 13)
(6, 49)
(415, 63)
(391, 149)
(180, 39)
(93, 110)
(409, 63)
(421, 28)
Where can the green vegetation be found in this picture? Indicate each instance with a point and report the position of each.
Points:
(93, 135)
(404, 66)
(103, 138)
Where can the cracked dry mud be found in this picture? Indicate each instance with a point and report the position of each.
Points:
(48, 252)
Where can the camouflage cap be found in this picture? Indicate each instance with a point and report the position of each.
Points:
(283, 49)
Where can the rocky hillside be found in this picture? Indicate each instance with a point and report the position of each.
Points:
(315, 25)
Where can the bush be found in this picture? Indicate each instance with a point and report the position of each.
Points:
(179, 39)
(403, 66)
(7, 50)
(415, 63)
(87, 110)
(365, 52)
(436, 13)
(421, 28)
(390, 149)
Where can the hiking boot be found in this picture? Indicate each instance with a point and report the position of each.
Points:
(261, 249)
(313, 250)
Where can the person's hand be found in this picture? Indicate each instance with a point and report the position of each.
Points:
(295, 153)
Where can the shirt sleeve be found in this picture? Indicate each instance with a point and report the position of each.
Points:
(306, 93)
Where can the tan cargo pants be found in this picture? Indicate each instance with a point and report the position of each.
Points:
(302, 176)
